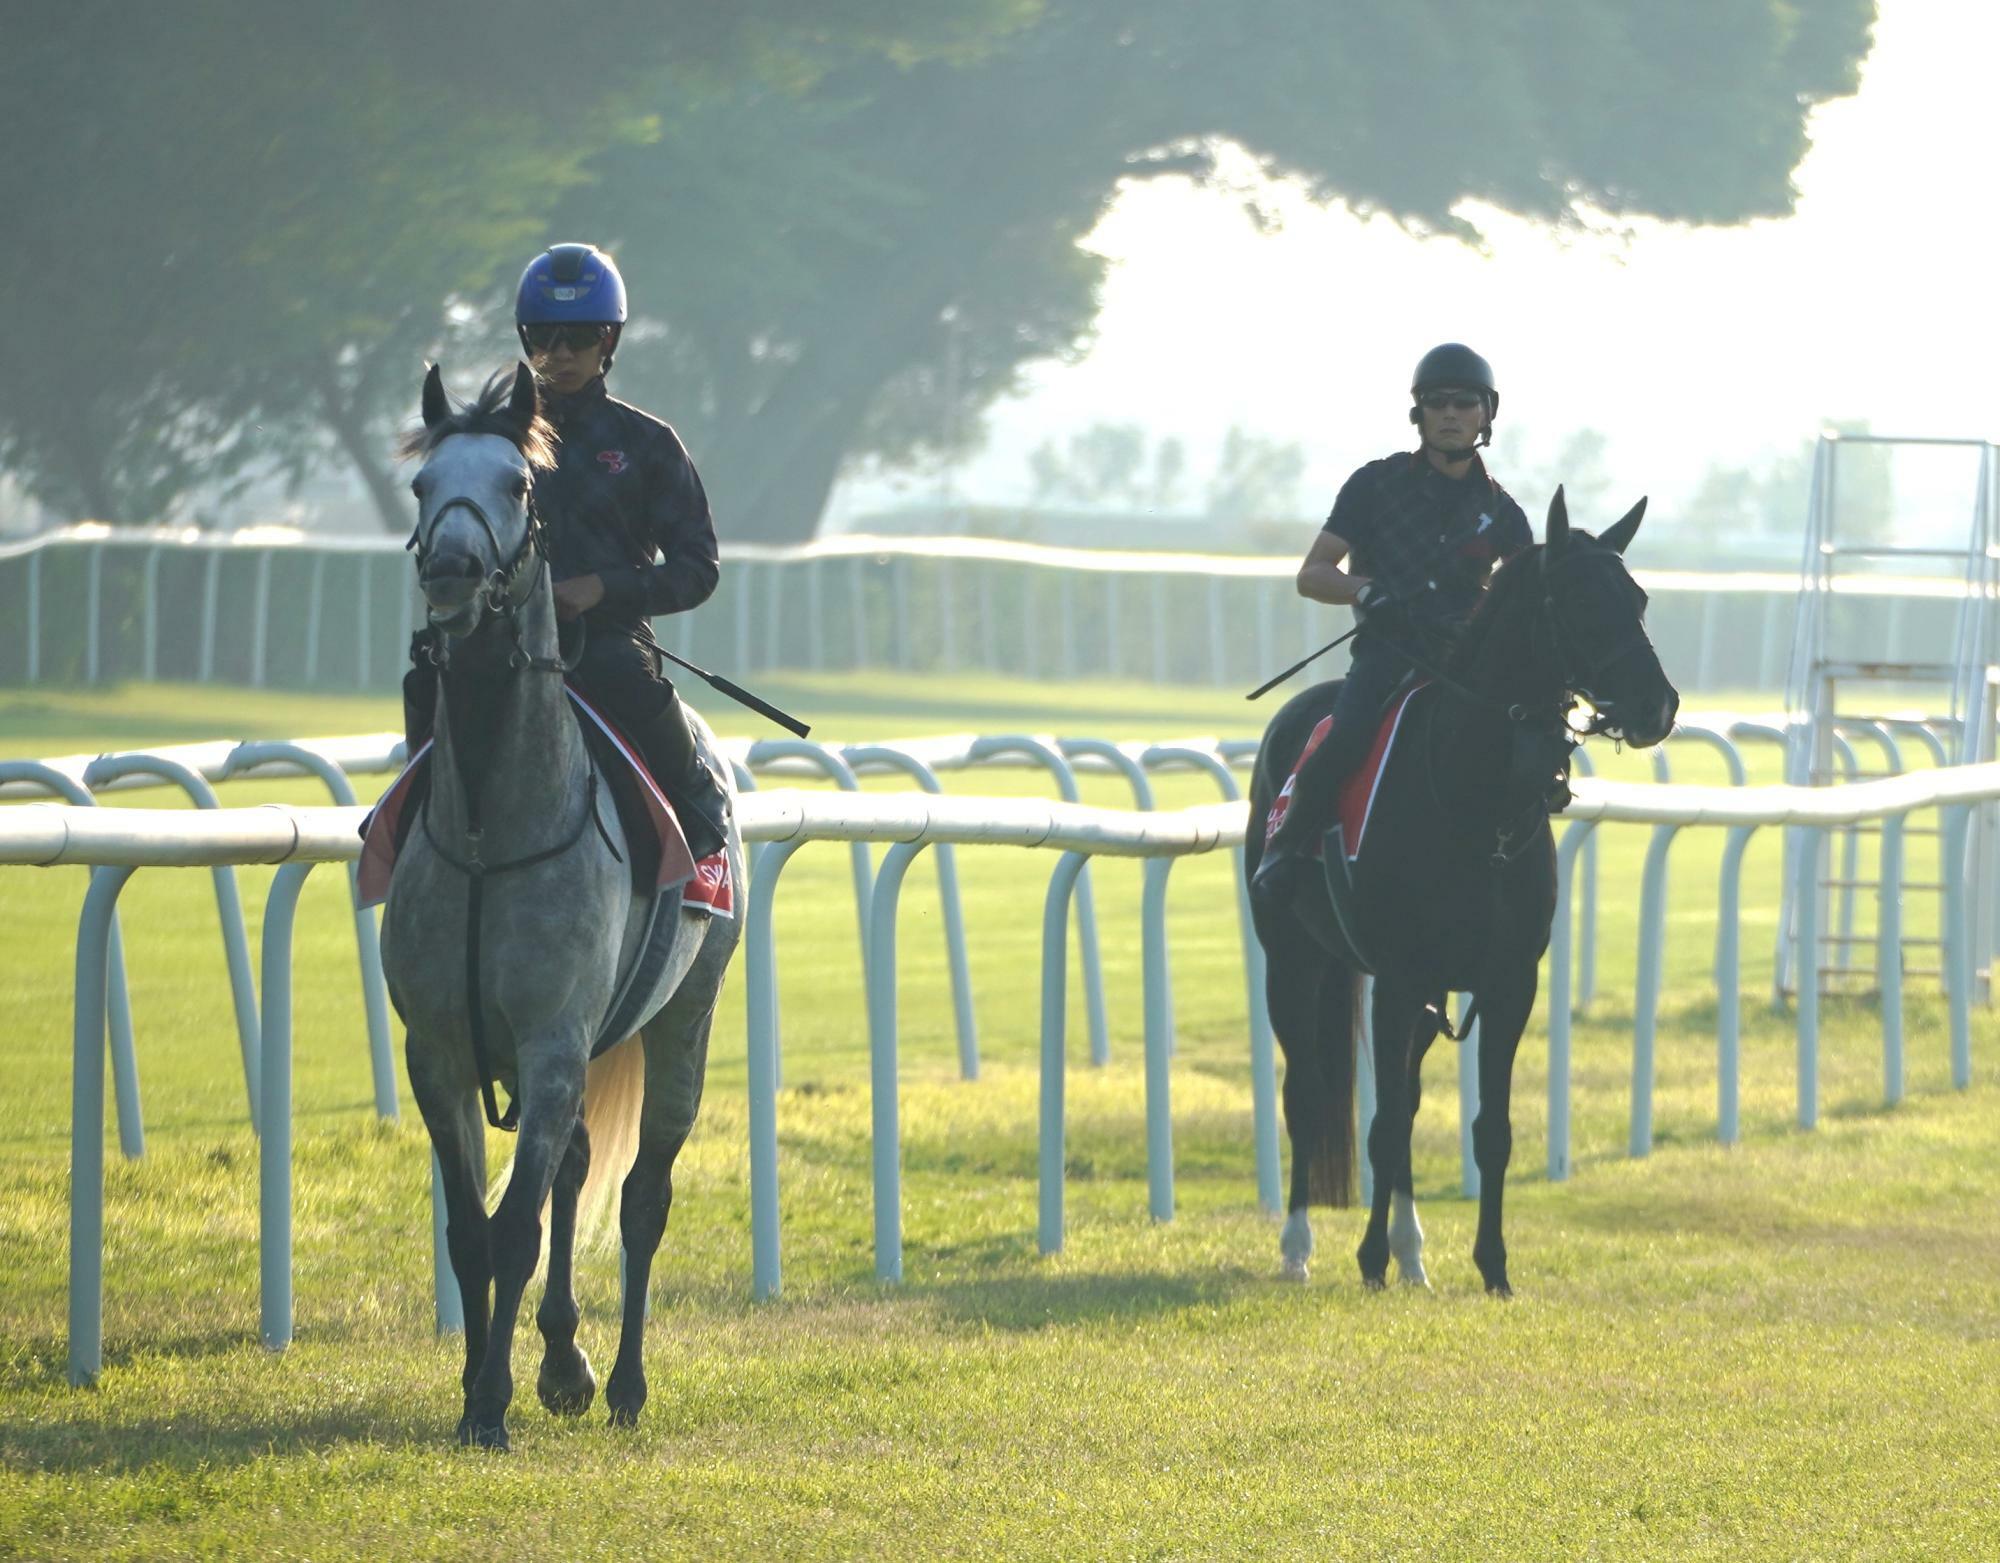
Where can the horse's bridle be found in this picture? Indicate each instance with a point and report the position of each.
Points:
(505, 591)
(1580, 676)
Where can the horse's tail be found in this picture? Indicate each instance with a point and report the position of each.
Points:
(614, 1090)
(1330, 1174)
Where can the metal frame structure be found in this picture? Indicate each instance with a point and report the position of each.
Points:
(1821, 671)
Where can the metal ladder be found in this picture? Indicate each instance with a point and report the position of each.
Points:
(1956, 700)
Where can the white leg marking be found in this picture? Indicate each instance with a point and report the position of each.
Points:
(1406, 1239)
(1295, 1243)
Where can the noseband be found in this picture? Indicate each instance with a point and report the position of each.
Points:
(505, 591)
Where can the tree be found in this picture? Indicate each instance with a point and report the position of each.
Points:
(800, 253)
(265, 217)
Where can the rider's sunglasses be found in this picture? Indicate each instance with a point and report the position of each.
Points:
(545, 339)
(1457, 401)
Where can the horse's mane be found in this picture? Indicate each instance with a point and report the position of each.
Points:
(486, 414)
(1517, 581)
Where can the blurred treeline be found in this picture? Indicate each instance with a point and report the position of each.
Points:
(235, 231)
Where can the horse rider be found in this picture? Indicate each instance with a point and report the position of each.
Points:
(1418, 533)
(628, 527)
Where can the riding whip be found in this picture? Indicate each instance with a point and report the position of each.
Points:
(1270, 684)
(740, 695)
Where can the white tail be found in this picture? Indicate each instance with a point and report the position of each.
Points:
(614, 1090)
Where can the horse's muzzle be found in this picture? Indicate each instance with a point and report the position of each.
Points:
(449, 583)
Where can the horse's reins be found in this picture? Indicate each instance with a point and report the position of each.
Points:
(503, 594)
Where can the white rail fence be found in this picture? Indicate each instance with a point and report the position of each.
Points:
(116, 842)
(272, 605)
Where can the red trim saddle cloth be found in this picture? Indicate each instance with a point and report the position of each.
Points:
(1357, 793)
(709, 887)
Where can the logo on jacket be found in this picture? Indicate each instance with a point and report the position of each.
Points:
(613, 461)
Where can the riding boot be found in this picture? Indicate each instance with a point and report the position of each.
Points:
(667, 744)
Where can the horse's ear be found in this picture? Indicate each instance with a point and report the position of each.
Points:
(436, 407)
(1556, 538)
(525, 401)
(1615, 538)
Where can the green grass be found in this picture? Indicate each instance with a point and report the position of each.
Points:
(1790, 1349)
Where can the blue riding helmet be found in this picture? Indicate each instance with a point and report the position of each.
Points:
(570, 283)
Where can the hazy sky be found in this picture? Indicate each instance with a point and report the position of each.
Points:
(1875, 301)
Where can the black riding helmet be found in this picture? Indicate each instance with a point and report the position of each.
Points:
(1454, 366)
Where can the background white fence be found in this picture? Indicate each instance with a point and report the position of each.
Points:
(270, 606)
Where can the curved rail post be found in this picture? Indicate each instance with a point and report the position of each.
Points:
(447, 1305)
(1468, 1100)
(1805, 900)
(1586, 933)
(1722, 743)
(1561, 1013)
(86, 1127)
(1364, 1086)
(124, 1058)
(836, 770)
(1055, 997)
(1646, 1001)
(832, 766)
(367, 939)
(1729, 987)
(228, 904)
(1889, 956)
(1263, 1050)
(882, 1071)
(274, 1146)
(1159, 1044)
(1850, 858)
(760, 1003)
(1000, 745)
(948, 900)
(1142, 799)
(1957, 961)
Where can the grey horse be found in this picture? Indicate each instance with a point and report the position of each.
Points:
(514, 804)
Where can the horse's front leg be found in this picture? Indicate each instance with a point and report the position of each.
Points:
(551, 1077)
(451, 1115)
(1397, 1009)
(1504, 1014)
(565, 1384)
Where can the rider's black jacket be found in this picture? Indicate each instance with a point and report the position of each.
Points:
(622, 490)
(1414, 530)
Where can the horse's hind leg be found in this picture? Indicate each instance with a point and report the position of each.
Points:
(676, 1063)
(565, 1384)
(1406, 1233)
(551, 1094)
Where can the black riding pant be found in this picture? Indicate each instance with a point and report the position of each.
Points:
(1371, 678)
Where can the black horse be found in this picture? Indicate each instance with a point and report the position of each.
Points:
(1455, 890)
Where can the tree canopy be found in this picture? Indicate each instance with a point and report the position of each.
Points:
(847, 223)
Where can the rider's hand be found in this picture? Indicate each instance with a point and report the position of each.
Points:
(1372, 602)
(577, 595)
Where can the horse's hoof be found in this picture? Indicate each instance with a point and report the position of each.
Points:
(626, 1416)
(493, 1435)
(1416, 1280)
(1501, 1290)
(1374, 1283)
(567, 1390)
(1296, 1270)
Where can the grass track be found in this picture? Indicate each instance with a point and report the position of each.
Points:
(1788, 1350)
